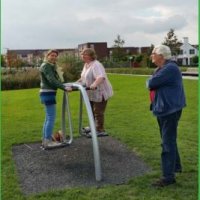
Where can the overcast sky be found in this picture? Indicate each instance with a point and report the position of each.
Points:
(45, 24)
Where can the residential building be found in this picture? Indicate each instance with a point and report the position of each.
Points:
(34, 57)
(187, 52)
(128, 50)
(100, 48)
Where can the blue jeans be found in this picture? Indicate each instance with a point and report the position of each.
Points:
(50, 111)
(170, 156)
(49, 101)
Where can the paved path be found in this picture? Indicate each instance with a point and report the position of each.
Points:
(184, 77)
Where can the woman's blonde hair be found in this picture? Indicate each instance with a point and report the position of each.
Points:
(90, 52)
(49, 52)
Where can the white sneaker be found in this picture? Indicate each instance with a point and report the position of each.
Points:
(101, 134)
(47, 144)
(86, 129)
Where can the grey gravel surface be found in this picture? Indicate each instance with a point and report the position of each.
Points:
(73, 166)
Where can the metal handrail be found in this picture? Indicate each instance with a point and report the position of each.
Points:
(66, 107)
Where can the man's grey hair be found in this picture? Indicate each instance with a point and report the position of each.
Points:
(163, 50)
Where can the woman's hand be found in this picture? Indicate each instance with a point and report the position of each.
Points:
(93, 86)
(79, 80)
(68, 89)
(97, 82)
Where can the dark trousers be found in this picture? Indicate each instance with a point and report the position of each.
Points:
(170, 156)
(98, 109)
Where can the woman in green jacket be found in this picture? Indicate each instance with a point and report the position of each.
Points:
(51, 80)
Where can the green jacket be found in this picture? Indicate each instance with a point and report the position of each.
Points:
(49, 77)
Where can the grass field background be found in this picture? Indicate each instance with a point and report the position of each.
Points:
(128, 119)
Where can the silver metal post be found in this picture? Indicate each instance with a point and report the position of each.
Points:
(65, 106)
(96, 153)
(80, 113)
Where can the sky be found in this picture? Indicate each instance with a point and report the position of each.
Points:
(47, 24)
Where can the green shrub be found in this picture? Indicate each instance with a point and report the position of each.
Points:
(30, 78)
(71, 66)
(21, 80)
(113, 64)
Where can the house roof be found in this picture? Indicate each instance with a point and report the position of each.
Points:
(35, 51)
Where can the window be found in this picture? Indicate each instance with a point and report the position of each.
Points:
(192, 51)
(181, 52)
(24, 55)
(92, 46)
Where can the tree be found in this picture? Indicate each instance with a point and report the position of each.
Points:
(172, 42)
(150, 49)
(195, 60)
(71, 66)
(148, 59)
(3, 62)
(138, 60)
(13, 60)
(118, 53)
(118, 42)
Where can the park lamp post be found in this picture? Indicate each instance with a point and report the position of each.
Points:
(130, 58)
(110, 55)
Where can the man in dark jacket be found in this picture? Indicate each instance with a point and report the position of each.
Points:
(167, 101)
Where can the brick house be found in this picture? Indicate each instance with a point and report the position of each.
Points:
(34, 57)
(31, 56)
(100, 48)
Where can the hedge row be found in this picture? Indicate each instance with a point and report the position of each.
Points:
(141, 71)
(20, 80)
(31, 79)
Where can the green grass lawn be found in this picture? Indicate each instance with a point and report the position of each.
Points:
(128, 119)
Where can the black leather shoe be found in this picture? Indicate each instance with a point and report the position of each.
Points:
(163, 183)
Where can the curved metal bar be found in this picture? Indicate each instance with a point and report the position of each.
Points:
(65, 106)
(80, 113)
(96, 153)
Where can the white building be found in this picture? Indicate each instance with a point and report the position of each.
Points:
(187, 51)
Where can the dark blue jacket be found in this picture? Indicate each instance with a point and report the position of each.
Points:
(169, 91)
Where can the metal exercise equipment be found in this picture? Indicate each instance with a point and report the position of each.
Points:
(66, 108)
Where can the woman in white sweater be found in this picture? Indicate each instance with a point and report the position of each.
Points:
(94, 76)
